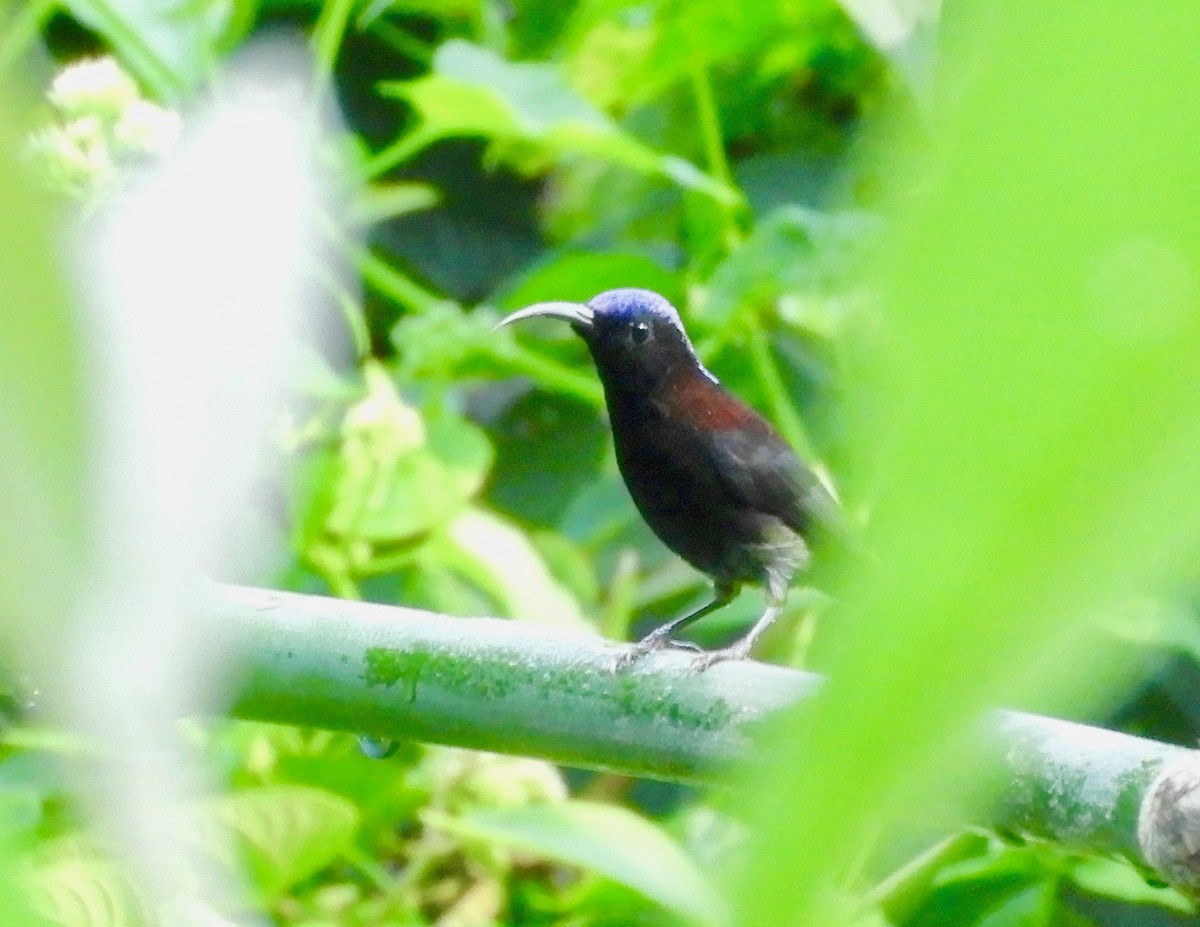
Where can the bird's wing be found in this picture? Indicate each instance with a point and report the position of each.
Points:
(760, 471)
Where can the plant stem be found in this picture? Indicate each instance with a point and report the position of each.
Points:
(783, 411)
(709, 121)
(327, 37)
(519, 688)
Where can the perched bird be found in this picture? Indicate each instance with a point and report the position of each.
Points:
(711, 477)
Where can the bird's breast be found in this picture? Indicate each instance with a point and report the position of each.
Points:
(693, 398)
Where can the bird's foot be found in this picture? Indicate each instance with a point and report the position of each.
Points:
(738, 651)
(658, 639)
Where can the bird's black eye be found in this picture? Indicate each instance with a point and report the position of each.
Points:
(639, 332)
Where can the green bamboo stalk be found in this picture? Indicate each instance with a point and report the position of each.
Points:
(521, 688)
(491, 684)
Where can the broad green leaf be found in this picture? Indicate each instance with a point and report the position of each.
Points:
(1034, 423)
(578, 276)
(378, 202)
(607, 839)
(1115, 878)
(73, 883)
(793, 252)
(501, 560)
(286, 832)
(473, 93)
(1033, 906)
(439, 342)
(630, 60)
(42, 429)
(398, 475)
(572, 443)
(436, 582)
(570, 564)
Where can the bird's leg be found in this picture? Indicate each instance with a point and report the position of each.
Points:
(777, 588)
(660, 637)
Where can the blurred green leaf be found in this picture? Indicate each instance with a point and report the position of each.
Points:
(1033, 906)
(793, 252)
(42, 423)
(379, 202)
(569, 564)
(440, 341)
(1042, 401)
(630, 59)
(549, 449)
(502, 561)
(286, 832)
(73, 883)
(396, 474)
(1113, 878)
(607, 839)
(578, 276)
(473, 93)
(435, 584)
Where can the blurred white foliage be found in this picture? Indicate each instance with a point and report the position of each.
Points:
(196, 287)
(890, 23)
(905, 31)
(102, 124)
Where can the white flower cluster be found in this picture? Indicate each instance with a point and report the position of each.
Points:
(102, 125)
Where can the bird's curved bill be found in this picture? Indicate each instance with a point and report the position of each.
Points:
(575, 313)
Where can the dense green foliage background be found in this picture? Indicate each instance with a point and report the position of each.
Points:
(736, 158)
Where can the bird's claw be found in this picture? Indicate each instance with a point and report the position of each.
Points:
(648, 644)
(738, 651)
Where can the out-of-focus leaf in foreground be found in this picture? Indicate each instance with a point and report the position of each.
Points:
(287, 832)
(607, 839)
(41, 416)
(41, 468)
(1040, 422)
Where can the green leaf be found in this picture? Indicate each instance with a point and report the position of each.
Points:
(1115, 878)
(501, 559)
(20, 810)
(791, 252)
(1032, 906)
(436, 343)
(399, 475)
(378, 202)
(75, 884)
(286, 832)
(570, 564)
(473, 93)
(632, 59)
(606, 839)
(1039, 385)
(578, 276)
(43, 534)
(549, 449)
